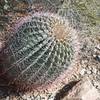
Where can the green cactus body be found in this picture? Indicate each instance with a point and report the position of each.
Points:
(42, 48)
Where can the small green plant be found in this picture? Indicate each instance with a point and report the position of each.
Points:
(42, 47)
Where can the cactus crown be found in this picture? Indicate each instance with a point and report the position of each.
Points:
(40, 50)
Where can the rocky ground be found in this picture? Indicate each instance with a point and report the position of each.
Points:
(84, 16)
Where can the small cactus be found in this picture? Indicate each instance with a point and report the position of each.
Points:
(42, 47)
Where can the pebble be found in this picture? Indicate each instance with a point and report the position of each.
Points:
(82, 72)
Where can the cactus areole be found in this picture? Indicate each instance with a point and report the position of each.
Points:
(43, 47)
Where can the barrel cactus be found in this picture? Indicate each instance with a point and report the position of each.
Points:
(41, 49)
